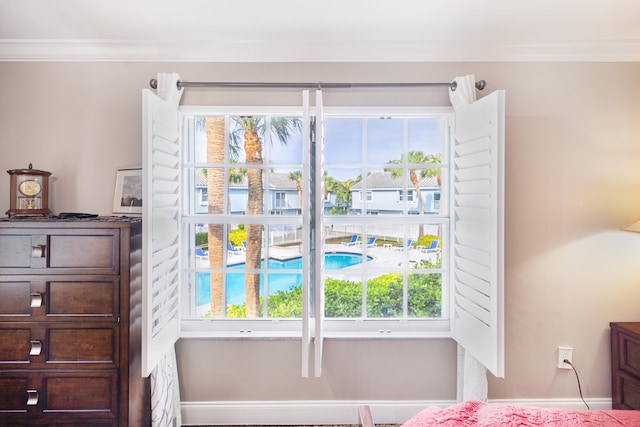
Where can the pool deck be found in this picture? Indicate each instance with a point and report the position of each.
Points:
(384, 259)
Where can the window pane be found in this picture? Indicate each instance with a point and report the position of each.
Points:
(208, 137)
(427, 135)
(385, 296)
(285, 191)
(385, 136)
(425, 295)
(208, 186)
(343, 298)
(339, 189)
(285, 145)
(343, 140)
(285, 291)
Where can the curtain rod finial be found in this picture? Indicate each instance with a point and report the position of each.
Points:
(480, 84)
(153, 83)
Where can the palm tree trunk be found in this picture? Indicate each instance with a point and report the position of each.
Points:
(253, 254)
(215, 189)
(414, 180)
(299, 189)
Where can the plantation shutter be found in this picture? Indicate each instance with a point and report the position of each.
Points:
(478, 230)
(161, 229)
(319, 233)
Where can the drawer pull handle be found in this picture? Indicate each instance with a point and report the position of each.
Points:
(36, 348)
(32, 397)
(37, 251)
(36, 300)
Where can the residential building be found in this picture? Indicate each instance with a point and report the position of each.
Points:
(385, 195)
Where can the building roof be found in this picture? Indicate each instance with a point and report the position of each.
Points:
(384, 180)
(277, 181)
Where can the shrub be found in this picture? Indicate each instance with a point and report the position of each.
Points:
(236, 237)
(427, 239)
(202, 239)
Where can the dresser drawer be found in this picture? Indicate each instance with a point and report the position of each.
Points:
(628, 390)
(629, 353)
(59, 251)
(32, 297)
(50, 397)
(59, 345)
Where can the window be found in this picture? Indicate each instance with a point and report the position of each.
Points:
(378, 271)
(203, 196)
(435, 202)
(401, 194)
(281, 199)
(171, 222)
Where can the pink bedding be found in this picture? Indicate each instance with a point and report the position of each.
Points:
(478, 414)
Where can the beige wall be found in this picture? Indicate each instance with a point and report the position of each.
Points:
(572, 181)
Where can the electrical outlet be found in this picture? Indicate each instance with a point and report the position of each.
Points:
(565, 353)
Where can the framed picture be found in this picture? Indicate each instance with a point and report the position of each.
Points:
(127, 197)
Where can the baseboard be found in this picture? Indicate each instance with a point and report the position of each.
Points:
(298, 412)
(596, 403)
(336, 412)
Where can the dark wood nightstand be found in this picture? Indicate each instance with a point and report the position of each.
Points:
(625, 365)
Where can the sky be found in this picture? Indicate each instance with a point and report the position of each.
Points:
(344, 149)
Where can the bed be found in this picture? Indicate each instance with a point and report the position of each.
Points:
(473, 413)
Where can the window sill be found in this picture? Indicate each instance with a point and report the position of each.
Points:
(291, 329)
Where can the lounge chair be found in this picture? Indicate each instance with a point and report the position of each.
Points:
(371, 242)
(201, 254)
(402, 247)
(233, 251)
(352, 242)
(433, 247)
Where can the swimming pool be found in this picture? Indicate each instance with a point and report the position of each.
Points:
(277, 281)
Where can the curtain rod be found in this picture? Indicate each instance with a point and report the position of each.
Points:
(480, 85)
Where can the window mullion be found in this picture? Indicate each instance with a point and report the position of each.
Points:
(306, 220)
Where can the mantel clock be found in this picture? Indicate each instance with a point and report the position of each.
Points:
(29, 192)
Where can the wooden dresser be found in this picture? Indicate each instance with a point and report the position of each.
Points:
(625, 365)
(70, 337)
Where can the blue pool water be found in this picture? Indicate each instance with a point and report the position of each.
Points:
(277, 281)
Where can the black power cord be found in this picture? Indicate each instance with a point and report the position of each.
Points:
(578, 380)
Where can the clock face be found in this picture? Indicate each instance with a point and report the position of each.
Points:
(30, 187)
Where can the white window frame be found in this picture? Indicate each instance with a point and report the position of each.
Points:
(333, 327)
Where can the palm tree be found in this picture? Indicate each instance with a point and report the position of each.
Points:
(296, 176)
(215, 190)
(252, 129)
(418, 157)
(341, 191)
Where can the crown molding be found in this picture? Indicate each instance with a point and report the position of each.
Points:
(318, 51)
